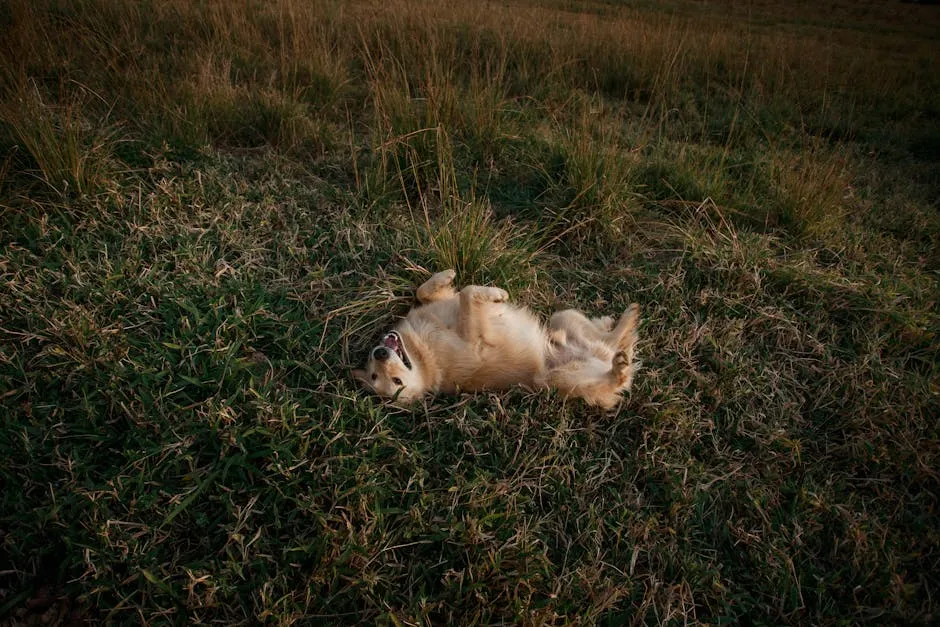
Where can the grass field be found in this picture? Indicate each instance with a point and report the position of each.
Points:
(210, 210)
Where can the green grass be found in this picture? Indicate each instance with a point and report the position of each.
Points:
(210, 211)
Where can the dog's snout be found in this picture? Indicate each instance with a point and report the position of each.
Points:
(380, 353)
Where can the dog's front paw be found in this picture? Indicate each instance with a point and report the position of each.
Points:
(445, 277)
(482, 294)
(438, 287)
(498, 295)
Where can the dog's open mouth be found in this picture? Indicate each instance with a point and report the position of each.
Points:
(393, 342)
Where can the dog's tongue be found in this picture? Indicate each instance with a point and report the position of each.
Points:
(391, 342)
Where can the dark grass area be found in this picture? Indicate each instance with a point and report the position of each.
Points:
(210, 211)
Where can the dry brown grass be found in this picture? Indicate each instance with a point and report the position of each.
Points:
(209, 210)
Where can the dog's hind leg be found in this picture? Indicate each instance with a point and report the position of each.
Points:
(577, 326)
(599, 382)
(623, 336)
(574, 326)
(438, 287)
(592, 380)
(603, 324)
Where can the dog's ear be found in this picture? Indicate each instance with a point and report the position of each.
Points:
(362, 376)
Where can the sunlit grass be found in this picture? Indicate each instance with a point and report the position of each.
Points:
(210, 211)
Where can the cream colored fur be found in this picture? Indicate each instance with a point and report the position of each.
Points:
(475, 340)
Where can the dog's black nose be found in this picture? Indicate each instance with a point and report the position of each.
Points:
(380, 353)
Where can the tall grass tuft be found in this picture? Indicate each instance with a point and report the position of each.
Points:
(311, 61)
(589, 179)
(239, 114)
(811, 189)
(462, 232)
(72, 155)
(436, 81)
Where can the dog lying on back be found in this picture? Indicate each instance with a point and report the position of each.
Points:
(475, 340)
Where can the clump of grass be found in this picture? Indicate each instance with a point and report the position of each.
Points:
(590, 178)
(400, 132)
(805, 191)
(467, 237)
(409, 99)
(684, 172)
(463, 233)
(241, 114)
(72, 155)
(311, 60)
(810, 189)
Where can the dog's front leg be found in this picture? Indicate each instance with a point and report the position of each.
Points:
(472, 323)
(438, 287)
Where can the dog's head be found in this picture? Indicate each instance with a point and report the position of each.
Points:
(392, 371)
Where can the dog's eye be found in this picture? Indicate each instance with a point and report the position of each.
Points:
(374, 376)
(396, 381)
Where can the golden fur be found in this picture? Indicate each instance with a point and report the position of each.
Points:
(475, 340)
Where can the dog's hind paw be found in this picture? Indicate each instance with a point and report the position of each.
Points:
(604, 323)
(620, 362)
(621, 367)
(627, 329)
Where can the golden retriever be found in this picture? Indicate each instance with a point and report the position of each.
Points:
(475, 340)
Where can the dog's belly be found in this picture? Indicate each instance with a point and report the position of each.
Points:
(579, 350)
(511, 351)
(443, 313)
